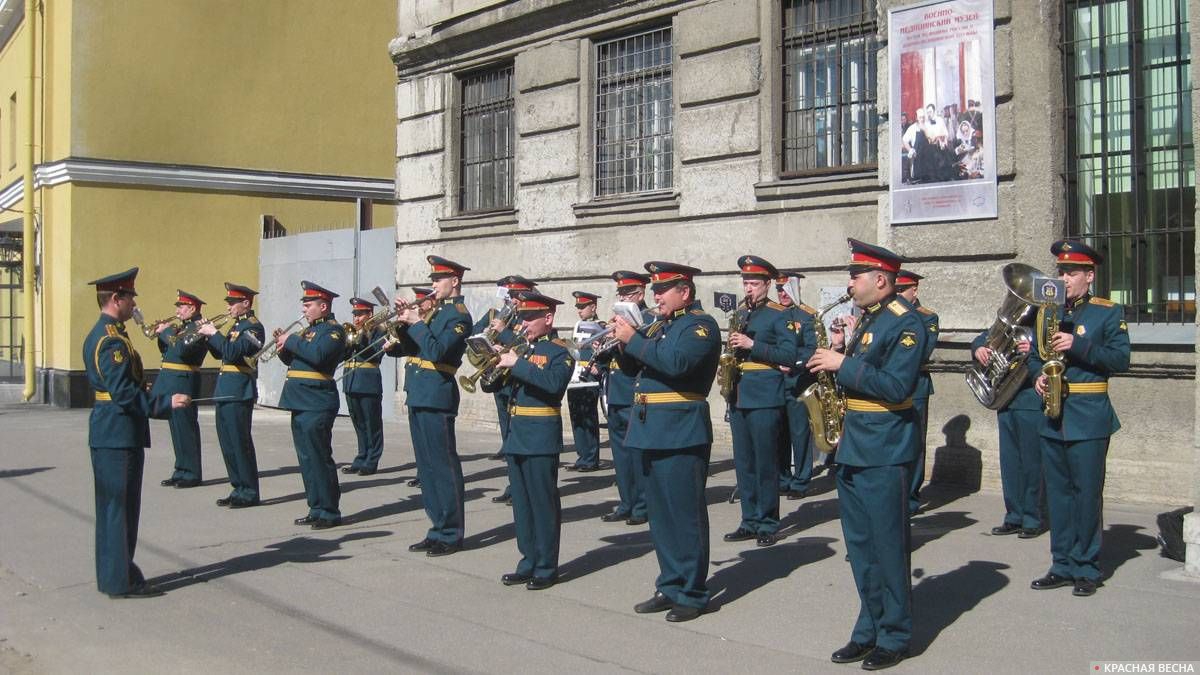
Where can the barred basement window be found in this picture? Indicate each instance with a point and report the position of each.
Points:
(485, 168)
(634, 111)
(1130, 168)
(830, 120)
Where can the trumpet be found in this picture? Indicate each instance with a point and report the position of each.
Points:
(150, 330)
(607, 342)
(191, 334)
(271, 350)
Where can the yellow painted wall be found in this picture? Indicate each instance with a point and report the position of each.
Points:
(287, 85)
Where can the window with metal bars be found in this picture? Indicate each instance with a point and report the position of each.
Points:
(1130, 169)
(830, 121)
(634, 114)
(485, 166)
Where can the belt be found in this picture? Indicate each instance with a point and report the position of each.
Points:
(868, 405)
(181, 366)
(754, 365)
(430, 365)
(1087, 387)
(232, 368)
(103, 397)
(308, 375)
(667, 397)
(534, 411)
(584, 364)
(359, 364)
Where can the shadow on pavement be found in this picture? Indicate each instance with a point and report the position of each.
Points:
(810, 513)
(297, 550)
(1122, 543)
(756, 567)
(16, 473)
(938, 601)
(506, 531)
(932, 527)
(618, 548)
(411, 503)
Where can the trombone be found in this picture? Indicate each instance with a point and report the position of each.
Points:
(271, 350)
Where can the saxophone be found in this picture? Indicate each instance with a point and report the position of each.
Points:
(1053, 368)
(825, 403)
(727, 364)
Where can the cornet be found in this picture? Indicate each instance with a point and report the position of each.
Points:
(271, 349)
(150, 330)
(191, 334)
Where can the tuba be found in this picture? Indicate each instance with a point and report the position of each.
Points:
(824, 401)
(727, 364)
(996, 383)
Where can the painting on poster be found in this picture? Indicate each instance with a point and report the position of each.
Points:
(942, 111)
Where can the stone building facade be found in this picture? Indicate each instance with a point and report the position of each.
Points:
(726, 188)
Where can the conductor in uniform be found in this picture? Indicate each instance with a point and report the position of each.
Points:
(118, 434)
(671, 433)
(435, 345)
(237, 391)
(539, 369)
(907, 285)
(878, 374)
(363, 385)
(582, 401)
(312, 355)
(765, 343)
(1094, 342)
(180, 374)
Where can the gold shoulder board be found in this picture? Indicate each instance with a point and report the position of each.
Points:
(460, 307)
(806, 308)
(1103, 302)
(562, 343)
(775, 305)
(925, 310)
(697, 312)
(112, 331)
(897, 308)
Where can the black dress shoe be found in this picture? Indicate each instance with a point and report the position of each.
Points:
(142, 590)
(1005, 528)
(658, 603)
(540, 583)
(349, 469)
(514, 579)
(1084, 588)
(441, 548)
(852, 652)
(414, 482)
(224, 501)
(423, 545)
(1030, 533)
(740, 534)
(326, 523)
(306, 520)
(1051, 580)
(793, 495)
(636, 521)
(614, 516)
(366, 472)
(681, 613)
(882, 658)
(238, 503)
(588, 468)
(187, 483)
(169, 482)
(766, 539)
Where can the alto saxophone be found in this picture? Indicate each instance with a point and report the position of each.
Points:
(727, 364)
(1053, 366)
(825, 403)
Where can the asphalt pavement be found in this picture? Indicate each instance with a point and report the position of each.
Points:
(248, 591)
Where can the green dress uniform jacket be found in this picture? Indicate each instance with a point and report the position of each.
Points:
(437, 345)
(585, 419)
(238, 380)
(501, 395)
(921, 400)
(180, 374)
(237, 391)
(118, 433)
(361, 362)
(761, 383)
(363, 386)
(796, 445)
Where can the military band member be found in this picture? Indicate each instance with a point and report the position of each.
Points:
(363, 386)
(907, 285)
(1020, 423)
(765, 343)
(180, 374)
(1094, 342)
(582, 401)
(436, 344)
(671, 434)
(878, 374)
(237, 391)
(423, 300)
(796, 443)
(504, 335)
(539, 371)
(631, 287)
(118, 434)
(309, 391)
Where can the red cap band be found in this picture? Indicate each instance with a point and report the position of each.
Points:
(1075, 258)
(868, 260)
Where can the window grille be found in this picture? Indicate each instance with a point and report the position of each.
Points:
(1130, 169)
(634, 114)
(485, 176)
(830, 119)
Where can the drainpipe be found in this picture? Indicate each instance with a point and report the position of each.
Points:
(27, 242)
